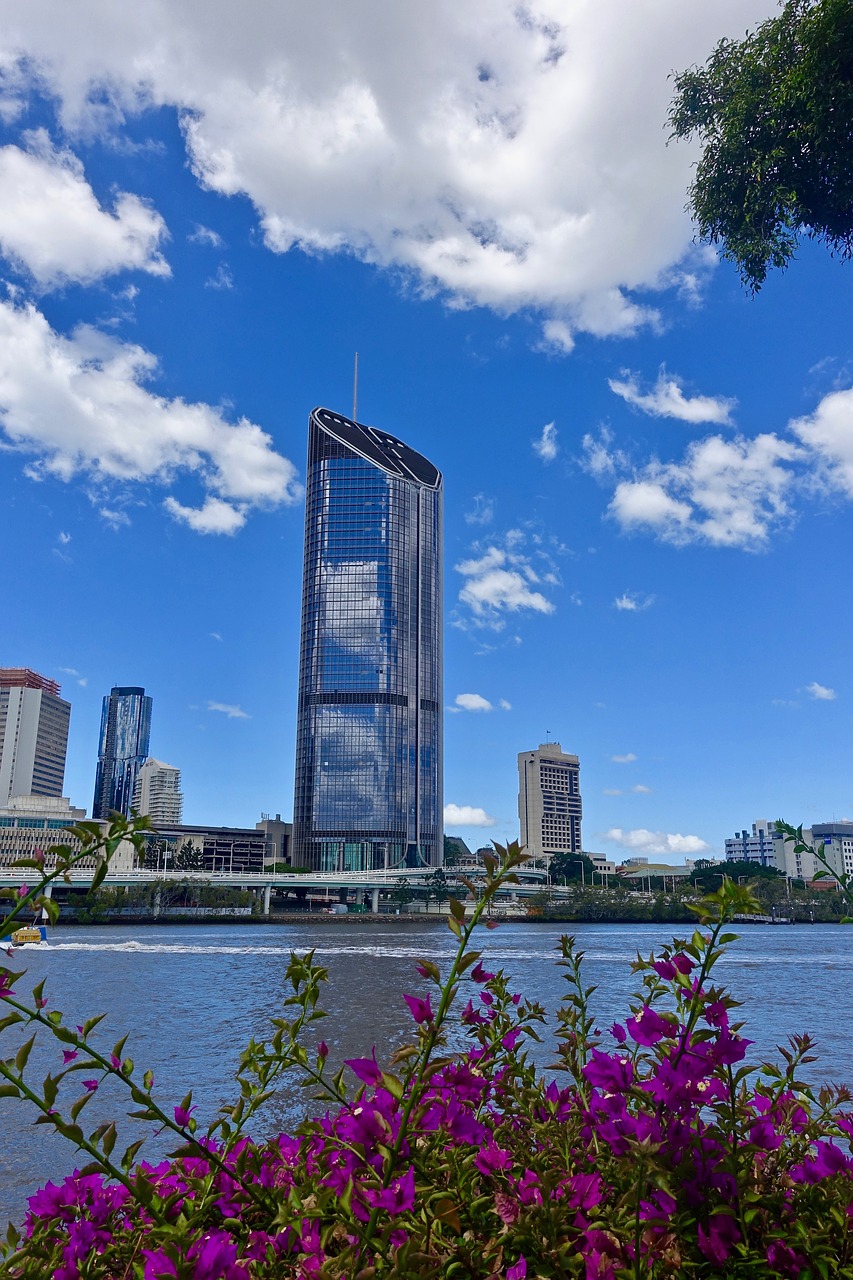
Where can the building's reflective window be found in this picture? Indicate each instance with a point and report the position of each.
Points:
(368, 767)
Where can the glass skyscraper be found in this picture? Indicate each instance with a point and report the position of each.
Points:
(122, 751)
(369, 721)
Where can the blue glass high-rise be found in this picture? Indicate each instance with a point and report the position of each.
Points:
(369, 722)
(122, 751)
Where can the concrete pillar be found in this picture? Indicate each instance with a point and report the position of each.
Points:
(267, 893)
(342, 894)
(374, 902)
(157, 901)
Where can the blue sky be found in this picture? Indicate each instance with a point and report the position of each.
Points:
(648, 474)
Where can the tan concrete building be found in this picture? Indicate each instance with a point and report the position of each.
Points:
(549, 801)
(157, 793)
(31, 823)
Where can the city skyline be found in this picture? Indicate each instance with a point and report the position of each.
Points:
(648, 500)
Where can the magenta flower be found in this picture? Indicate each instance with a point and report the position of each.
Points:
(68, 1055)
(183, 1115)
(91, 1085)
(479, 974)
(366, 1069)
(613, 1075)
(5, 984)
(322, 1051)
(519, 1270)
(492, 1159)
(782, 1258)
(396, 1198)
(648, 1027)
(421, 1010)
(665, 969)
(23, 891)
(716, 1243)
(618, 1033)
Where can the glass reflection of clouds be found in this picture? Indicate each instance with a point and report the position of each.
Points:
(369, 746)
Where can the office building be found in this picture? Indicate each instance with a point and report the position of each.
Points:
(549, 801)
(232, 850)
(157, 793)
(30, 824)
(122, 751)
(757, 846)
(837, 839)
(369, 721)
(33, 734)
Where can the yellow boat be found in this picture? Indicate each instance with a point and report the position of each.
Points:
(28, 933)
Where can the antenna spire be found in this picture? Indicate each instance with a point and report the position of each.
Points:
(355, 390)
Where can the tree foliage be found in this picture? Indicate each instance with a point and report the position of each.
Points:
(567, 867)
(774, 114)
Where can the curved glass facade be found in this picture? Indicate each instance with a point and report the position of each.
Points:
(123, 749)
(369, 722)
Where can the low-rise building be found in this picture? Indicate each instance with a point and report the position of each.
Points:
(756, 846)
(206, 848)
(30, 824)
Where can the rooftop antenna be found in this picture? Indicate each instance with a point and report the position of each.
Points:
(355, 390)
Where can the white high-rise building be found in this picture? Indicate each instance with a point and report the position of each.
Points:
(157, 793)
(33, 734)
(549, 801)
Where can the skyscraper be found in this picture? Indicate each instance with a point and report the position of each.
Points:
(369, 721)
(158, 794)
(549, 801)
(33, 734)
(123, 748)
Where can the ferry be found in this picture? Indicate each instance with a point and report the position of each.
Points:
(27, 935)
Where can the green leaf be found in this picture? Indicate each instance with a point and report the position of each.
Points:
(457, 910)
(22, 1056)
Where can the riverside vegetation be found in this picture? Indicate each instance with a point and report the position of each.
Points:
(654, 1151)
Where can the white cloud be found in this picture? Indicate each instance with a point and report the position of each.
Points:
(641, 790)
(52, 225)
(466, 815)
(600, 459)
(632, 602)
(612, 791)
(221, 279)
(504, 705)
(484, 510)
(545, 445)
(473, 702)
(628, 758)
(206, 235)
(72, 671)
(512, 157)
(656, 841)
(115, 519)
(557, 337)
(64, 538)
(79, 407)
(214, 635)
(215, 516)
(724, 492)
(228, 709)
(499, 580)
(667, 400)
(828, 432)
(820, 692)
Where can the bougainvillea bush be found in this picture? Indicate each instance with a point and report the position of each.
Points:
(650, 1149)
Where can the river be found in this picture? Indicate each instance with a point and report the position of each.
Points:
(190, 997)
